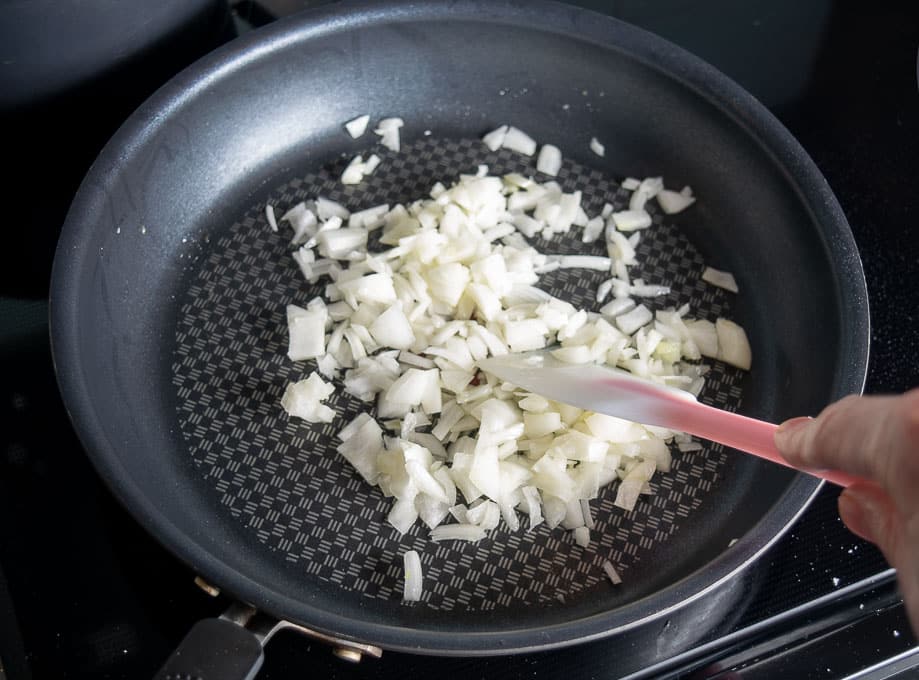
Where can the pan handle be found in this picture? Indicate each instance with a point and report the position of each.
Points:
(230, 648)
(215, 649)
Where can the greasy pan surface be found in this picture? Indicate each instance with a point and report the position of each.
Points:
(168, 321)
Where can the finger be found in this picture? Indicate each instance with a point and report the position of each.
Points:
(870, 513)
(872, 437)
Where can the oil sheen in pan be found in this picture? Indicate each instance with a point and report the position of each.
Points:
(284, 481)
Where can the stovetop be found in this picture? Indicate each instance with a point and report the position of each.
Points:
(85, 593)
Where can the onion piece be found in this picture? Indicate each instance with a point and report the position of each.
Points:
(269, 215)
(495, 139)
(672, 202)
(458, 532)
(519, 141)
(630, 220)
(597, 147)
(413, 586)
(302, 399)
(733, 346)
(720, 278)
(611, 573)
(357, 126)
(549, 161)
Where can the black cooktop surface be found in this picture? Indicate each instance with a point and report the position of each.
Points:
(85, 593)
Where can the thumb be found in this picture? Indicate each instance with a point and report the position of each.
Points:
(870, 513)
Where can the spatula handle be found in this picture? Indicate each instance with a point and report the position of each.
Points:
(747, 434)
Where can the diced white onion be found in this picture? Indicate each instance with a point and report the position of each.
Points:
(413, 577)
(519, 141)
(455, 281)
(358, 126)
(672, 202)
(597, 147)
(720, 278)
(549, 161)
(457, 532)
(611, 573)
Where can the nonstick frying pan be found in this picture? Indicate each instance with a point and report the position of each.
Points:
(168, 296)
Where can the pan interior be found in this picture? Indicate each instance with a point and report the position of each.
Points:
(170, 335)
(283, 480)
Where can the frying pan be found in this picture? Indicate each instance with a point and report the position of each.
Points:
(168, 294)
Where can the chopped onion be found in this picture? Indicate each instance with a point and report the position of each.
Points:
(733, 346)
(269, 215)
(455, 281)
(519, 141)
(549, 161)
(358, 126)
(388, 131)
(495, 139)
(302, 399)
(458, 532)
(720, 278)
(631, 321)
(672, 202)
(307, 332)
(630, 220)
(413, 577)
(597, 147)
(611, 573)
(647, 189)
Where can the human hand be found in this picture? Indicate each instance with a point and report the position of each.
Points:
(877, 439)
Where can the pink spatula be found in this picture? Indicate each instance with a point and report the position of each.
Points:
(617, 393)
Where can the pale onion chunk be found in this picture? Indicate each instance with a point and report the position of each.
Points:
(495, 139)
(269, 215)
(597, 147)
(533, 506)
(306, 328)
(519, 141)
(631, 321)
(354, 172)
(302, 399)
(549, 161)
(326, 209)
(647, 189)
(370, 218)
(388, 131)
(392, 329)
(733, 345)
(630, 220)
(611, 573)
(413, 586)
(582, 536)
(593, 229)
(362, 445)
(458, 532)
(303, 221)
(357, 126)
(704, 335)
(719, 278)
(672, 202)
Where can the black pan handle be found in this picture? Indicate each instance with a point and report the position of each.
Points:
(215, 649)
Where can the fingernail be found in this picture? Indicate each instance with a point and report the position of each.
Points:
(859, 513)
(790, 427)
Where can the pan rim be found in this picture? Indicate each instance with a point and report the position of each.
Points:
(691, 72)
